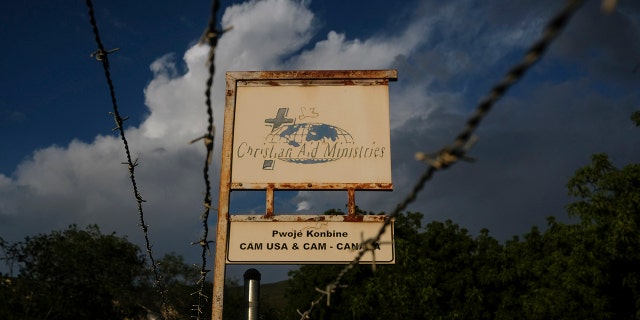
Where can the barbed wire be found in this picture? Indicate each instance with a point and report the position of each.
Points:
(449, 155)
(210, 37)
(102, 55)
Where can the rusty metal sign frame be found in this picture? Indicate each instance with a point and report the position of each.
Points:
(278, 78)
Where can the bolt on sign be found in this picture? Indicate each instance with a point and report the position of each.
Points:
(303, 130)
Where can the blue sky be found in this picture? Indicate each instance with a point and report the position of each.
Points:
(60, 159)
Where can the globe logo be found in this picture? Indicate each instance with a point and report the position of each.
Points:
(312, 141)
(309, 135)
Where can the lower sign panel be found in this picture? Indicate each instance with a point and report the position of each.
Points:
(287, 239)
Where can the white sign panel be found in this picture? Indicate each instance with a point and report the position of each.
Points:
(304, 242)
(327, 134)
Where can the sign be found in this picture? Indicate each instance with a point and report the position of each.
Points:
(306, 239)
(326, 133)
(302, 130)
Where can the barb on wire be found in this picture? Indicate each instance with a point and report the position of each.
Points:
(209, 37)
(102, 55)
(211, 33)
(449, 155)
(305, 315)
(446, 157)
(327, 292)
(370, 245)
(119, 121)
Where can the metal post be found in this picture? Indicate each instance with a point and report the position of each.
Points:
(351, 203)
(251, 294)
(220, 263)
(269, 204)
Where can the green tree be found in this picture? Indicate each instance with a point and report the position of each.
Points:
(608, 206)
(433, 278)
(551, 275)
(83, 274)
(72, 274)
(586, 270)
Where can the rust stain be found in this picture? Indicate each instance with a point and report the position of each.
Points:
(229, 93)
(269, 204)
(351, 203)
(353, 218)
(319, 218)
(310, 218)
(315, 74)
(313, 186)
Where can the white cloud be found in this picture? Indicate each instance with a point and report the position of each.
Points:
(176, 102)
(339, 52)
(263, 32)
(4, 180)
(303, 206)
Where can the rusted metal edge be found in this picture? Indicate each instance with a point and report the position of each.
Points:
(311, 186)
(391, 75)
(269, 204)
(270, 263)
(307, 218)
(220, 260)
(312, 82)
(351, 202)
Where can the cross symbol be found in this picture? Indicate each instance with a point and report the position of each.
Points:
(280, 119)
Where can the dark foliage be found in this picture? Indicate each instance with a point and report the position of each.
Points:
(586, 270)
